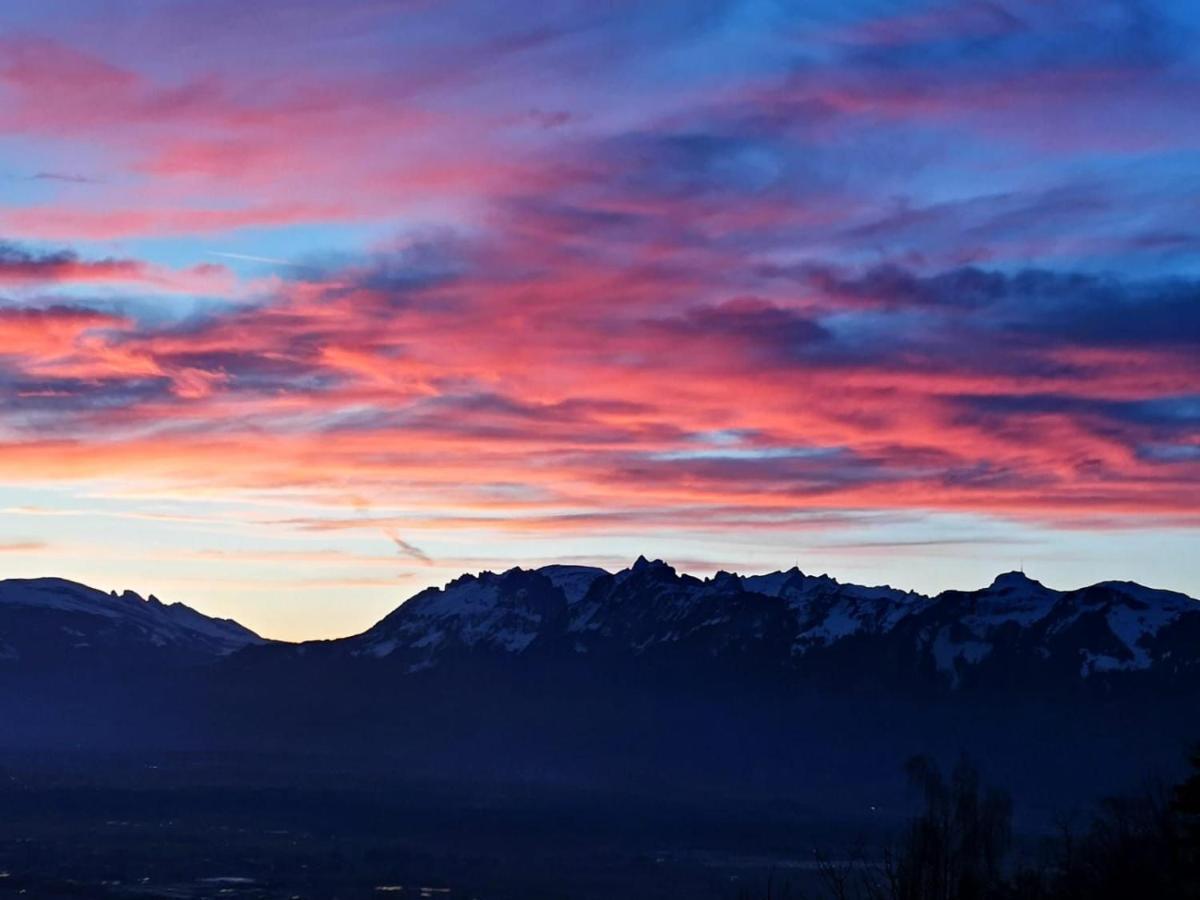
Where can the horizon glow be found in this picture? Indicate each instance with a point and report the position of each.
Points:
(308, 306)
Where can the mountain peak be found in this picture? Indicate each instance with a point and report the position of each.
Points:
(1015, 580)
(726, 581)
(641, 564)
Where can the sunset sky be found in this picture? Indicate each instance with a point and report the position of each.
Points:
(305, 305)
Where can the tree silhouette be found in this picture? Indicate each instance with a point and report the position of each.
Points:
(955, 847)
(1145, 845)
(1186, 807)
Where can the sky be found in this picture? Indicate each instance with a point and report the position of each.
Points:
(305, 306)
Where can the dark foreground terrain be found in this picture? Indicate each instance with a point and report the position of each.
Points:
(295, 827)
(192, 828)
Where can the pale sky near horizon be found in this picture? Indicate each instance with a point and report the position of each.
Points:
(307, 306)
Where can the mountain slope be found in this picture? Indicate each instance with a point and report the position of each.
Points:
(791, 621)
(52, 621)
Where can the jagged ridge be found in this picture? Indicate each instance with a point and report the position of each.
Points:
(788, 616)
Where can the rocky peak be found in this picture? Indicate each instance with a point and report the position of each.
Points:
(1008, 582)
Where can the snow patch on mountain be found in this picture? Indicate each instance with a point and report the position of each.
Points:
(503, 612)
(770, 584)
(159, 625)
(573, 581)
(1011, 597)
(949, 652)
(828, 611)
(1135, 615)
(64, 596)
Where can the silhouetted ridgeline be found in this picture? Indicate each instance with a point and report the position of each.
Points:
(645, 681)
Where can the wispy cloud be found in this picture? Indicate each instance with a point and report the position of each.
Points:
(67, 177)
(23, 546)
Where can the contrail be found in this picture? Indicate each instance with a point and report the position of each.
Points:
(248, 257)
(363, 506)
(408, 549)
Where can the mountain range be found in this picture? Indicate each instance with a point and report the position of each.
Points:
(783, 684)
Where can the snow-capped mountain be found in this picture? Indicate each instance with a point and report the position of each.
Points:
(639, 678)
(51, 619)
(790, 619)
(1103, 628)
